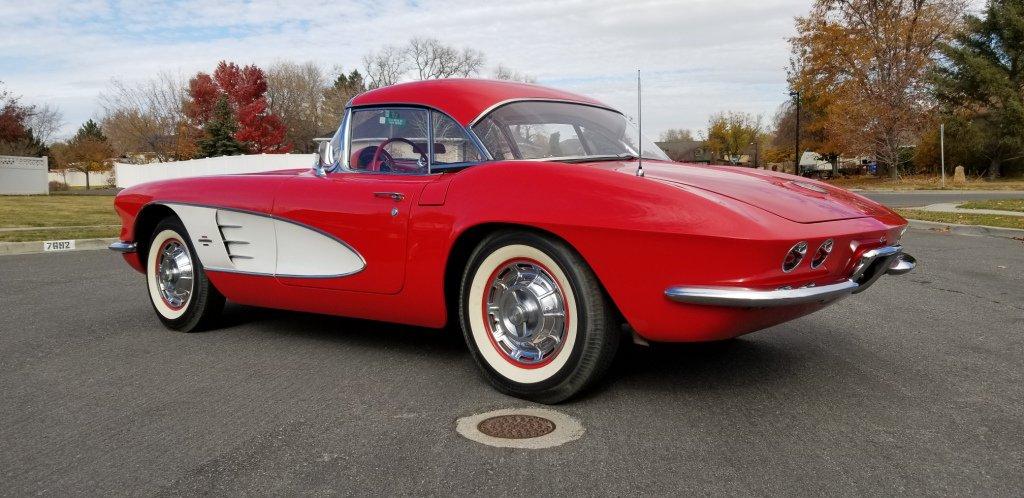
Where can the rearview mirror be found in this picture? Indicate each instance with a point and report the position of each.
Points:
(323, 158)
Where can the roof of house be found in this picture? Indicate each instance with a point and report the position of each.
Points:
(464, 99)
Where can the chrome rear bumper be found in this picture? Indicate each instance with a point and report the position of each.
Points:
(872, 265)
(123, 247)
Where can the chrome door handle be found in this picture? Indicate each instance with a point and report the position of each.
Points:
(395, 196)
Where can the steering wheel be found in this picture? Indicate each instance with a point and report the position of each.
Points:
(382, 158)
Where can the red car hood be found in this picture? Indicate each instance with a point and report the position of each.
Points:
(791, 197)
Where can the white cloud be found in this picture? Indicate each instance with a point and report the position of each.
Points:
(698, 56)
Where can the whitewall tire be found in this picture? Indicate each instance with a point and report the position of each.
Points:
(182, 296)
(535, 318)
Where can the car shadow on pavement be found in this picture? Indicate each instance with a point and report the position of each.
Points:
(342, 330)
(734, 364)
(740, 363)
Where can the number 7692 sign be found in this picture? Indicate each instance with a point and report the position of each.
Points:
(58, 245)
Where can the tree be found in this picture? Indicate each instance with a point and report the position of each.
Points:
(502, 72)
(44, 122)
(731, 133)
(90, 129)
(426, 58)
(296, 93)
(148, 118)
(336, 96)
(219, 132)
(677, 135)
(872, 58)
(88, 151)
(435, 60)
(244, 89)
(385, 67)
(816, 129)
(17, 138)
(980, 82)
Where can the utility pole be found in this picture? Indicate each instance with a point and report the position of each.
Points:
(796, 163)
(942, 151)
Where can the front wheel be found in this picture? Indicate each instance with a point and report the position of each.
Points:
(535, 318)
(181, 295)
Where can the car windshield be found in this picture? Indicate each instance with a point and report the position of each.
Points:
(560, 131)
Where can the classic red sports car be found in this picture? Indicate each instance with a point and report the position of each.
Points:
(521, 213)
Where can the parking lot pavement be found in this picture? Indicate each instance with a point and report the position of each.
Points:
(912, 387)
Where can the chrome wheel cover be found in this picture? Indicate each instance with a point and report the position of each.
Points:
(174, 274)
(525, 311)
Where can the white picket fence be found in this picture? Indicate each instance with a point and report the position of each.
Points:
(129, 175)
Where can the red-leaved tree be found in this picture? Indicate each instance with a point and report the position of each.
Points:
(259, 130)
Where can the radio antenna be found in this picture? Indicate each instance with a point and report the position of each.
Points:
(639, 128)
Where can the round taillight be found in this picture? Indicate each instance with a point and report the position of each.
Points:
(794, 257)
(822, 253)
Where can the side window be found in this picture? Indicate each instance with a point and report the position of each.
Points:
(451, 143)
(543, 140)
(493, 139)
(389, 140)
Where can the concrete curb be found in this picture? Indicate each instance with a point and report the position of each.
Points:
(9, 248)
(975, 230)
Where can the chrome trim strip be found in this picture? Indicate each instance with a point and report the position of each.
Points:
(123, 247)
(273, 217)
(743, 297)
(493, 107)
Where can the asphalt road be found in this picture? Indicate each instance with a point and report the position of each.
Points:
(912, 387)
(920, 198)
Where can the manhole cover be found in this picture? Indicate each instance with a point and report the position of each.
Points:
(525, 428)
(516, 426)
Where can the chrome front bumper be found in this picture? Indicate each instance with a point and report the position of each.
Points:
(872, 265)
(122, 247)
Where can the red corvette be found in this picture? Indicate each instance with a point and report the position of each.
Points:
(520, 212)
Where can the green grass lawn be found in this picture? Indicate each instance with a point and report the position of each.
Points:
(964, 218)
(57, 211)
(1003, 205)
(926, 182)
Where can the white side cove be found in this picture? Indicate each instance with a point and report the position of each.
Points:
(241, 242)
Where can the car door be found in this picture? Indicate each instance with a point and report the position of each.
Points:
(366, 213)
(364, 207)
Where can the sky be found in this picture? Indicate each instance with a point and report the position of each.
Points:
(698, 57)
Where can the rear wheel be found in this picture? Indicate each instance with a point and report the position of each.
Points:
(535, 317)
(182, 296)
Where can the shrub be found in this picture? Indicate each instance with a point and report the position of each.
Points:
(56, 186)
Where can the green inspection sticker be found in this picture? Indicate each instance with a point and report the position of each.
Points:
(392, 118)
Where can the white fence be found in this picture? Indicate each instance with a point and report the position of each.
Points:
(97, 179)
(133, 174)
(23, 175)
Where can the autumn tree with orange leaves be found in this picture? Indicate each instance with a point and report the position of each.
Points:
(244, 89)
(866, 62)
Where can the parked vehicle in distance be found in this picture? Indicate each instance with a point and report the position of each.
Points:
(517, 212)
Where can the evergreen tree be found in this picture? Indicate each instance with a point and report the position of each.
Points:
(219, 139)
(90, 129)
(982, 81)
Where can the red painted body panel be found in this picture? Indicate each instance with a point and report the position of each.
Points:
(678, 225)
(463, 99)
(353, 207)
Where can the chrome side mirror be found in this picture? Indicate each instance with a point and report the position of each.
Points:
(322, 158)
